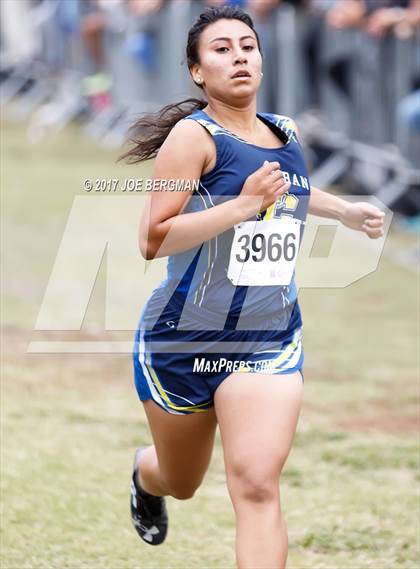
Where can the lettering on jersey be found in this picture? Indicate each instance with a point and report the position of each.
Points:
(295, 180)
(304, 182)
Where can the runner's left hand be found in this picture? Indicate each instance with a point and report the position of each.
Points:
(363, 216)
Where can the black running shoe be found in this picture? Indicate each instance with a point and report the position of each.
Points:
(148, 513)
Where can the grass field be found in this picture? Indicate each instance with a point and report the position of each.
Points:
(70, 423)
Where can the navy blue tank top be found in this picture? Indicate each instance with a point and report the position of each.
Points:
(199, 275)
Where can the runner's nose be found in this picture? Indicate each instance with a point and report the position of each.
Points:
(239, 58)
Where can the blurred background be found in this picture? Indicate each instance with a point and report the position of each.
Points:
(347, 70)
(74, 74)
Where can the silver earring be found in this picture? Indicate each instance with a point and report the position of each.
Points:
(198, 80)
(262, 74)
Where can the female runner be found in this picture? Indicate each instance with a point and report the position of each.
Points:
(219, 341)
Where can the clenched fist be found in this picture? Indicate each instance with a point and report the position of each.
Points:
(363, 216)
(267, 183)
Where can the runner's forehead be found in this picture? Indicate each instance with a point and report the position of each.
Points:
(228, 30)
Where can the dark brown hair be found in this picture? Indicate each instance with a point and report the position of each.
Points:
(148, 134)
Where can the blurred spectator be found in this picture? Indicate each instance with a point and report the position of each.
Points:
(215, 3)
(375, 16)
(264, 14)
(261, 10)
(218, 3)
(142, 41)
(122, 38)
(346, 14)
(409, 110)
(311, 42)
(407, 26)
(378, 16)
(142, 8)
(401, 19)
(404, 23)
(149, 43)
(93, 24)
(19, 38)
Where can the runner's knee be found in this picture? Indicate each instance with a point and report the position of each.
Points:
(254, 484)
(182, 490)
(182, 486)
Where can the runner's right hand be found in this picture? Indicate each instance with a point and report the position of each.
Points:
(267, 183)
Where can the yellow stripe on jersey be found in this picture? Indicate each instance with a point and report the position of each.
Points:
(163, 394)
(281, 358)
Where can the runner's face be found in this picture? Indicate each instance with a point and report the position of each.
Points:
(226, 48)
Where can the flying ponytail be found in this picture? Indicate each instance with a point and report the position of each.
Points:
(149, 133)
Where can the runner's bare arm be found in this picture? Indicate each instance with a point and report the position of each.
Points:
(361, 216)
(325, 204)
(186, 154)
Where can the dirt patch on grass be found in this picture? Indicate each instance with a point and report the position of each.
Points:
(388, 422)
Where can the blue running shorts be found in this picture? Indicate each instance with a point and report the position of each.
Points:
(180, 360)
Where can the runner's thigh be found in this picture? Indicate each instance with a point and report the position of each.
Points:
(257, 416)
(184, 443)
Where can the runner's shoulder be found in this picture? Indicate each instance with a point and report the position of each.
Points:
(186, 151)
(189, 140)
(189, 131)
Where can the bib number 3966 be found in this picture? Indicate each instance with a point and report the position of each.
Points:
(264, 252)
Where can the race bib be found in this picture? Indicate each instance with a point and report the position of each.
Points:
(264, 252)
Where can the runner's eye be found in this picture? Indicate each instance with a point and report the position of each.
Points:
(220, 49)
(248, 47)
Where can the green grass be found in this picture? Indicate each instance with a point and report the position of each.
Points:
(70, 423)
